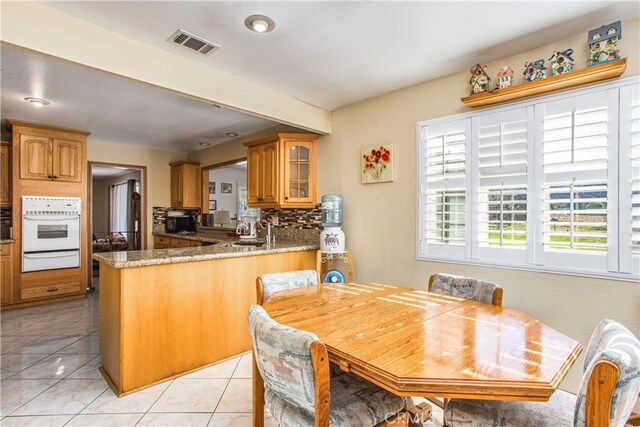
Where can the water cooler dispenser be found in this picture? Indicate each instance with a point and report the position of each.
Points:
(332, 256)
(332, 236)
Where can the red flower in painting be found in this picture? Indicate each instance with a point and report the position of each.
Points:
(376, 162)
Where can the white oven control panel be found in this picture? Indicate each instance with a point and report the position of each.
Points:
(43, 205)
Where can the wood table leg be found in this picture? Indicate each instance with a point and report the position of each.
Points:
(258, 395)
(418, 414)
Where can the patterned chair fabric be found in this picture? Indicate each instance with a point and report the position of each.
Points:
(276, 282)
(284, 362)
(463, 287)
(284, 359)
(354, 402)
(557, 412)
(614, 343)
(611, 342)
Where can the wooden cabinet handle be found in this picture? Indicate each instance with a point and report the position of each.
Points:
(52, 290)
(55, 177)
(286, 197)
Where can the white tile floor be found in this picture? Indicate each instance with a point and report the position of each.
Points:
(49, 377)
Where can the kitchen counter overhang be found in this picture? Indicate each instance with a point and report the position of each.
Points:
(151, 257)
(167, 312)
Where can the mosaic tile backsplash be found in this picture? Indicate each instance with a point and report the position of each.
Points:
(308, 219)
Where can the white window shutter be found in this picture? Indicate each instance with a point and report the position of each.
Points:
(503, 142)
(444, 199)
(629, 181)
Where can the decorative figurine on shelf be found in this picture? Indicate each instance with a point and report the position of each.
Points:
(561, 62)
(505, 77)
(534, 70)
(603, 43)
(479, 79)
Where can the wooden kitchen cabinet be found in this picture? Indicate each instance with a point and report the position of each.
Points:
(262, 174)
(281, 171)
(180, 243)
(160, 242)
(6, 273)
(185, 185)
(47, 158)
(51, 161)
(5, 175)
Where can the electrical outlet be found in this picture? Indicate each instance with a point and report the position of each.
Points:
(275, 220)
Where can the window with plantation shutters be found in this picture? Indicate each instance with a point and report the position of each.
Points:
(443, 195)
(503, 141)
(576, 141)
(548, 184)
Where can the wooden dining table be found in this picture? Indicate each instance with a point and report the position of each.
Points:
(415, 343)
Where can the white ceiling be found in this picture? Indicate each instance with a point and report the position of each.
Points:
(113, 109)
(331, 54)
(102, 172)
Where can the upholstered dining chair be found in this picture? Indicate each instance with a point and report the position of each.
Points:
(268, 284)
(465, 287)
(299, 390)
(607, 394)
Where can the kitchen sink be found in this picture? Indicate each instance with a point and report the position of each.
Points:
(243, 243)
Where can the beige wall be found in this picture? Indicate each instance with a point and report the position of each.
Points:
(100, 196)
(380, 219)
(158, 186)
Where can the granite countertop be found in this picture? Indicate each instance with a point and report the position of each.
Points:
(200, 237)
(5, 241)
(198, 253)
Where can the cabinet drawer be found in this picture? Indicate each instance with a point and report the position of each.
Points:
(5, 250)
(161, 242)
(196, 243)
(180, 243)
(49, 290)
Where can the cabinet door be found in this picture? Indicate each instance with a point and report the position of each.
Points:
(269, 164)
(254, 179)
(35, 157)
(176, 186)
(7, 278)
(299, 172)
(190, 186)
(67, 165)
(5, 178)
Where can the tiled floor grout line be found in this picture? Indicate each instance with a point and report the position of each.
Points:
(32, 397)
(154, 402)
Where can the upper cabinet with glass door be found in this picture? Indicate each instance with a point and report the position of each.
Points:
(281, 171)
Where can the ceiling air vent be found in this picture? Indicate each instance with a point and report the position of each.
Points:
(192, 42)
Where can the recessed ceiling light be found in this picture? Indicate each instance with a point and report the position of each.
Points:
(205, 144)
(37, 102)
(231, 134)
(259, 23)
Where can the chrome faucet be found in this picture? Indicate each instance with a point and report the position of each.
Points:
(269, 232)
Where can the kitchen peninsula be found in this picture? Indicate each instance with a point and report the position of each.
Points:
(166, 312)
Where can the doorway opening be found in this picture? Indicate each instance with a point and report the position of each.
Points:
(117, 211)
(224, 194)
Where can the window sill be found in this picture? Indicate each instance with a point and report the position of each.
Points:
(536, 269)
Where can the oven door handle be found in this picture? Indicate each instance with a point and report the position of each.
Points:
(51, 255)
(51, 217)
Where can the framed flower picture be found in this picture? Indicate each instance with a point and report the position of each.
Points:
(376, 164)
